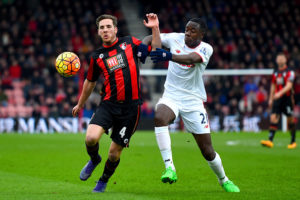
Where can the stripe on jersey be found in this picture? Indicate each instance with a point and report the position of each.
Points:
(133, 72)
(91, 70)
(106, 76)
(136, 41)
(119, 79)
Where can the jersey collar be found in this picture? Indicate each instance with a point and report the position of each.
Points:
(107, 46)
(193, 47)
(284, 68)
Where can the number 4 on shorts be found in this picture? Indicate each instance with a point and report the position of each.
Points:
(122, 132)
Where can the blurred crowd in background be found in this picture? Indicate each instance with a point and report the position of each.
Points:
(244, 35)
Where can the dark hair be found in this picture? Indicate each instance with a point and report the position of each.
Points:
(106, 16)
(281, 54)
(201, 22)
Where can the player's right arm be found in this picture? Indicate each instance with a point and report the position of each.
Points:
(271, 96)
(153, 23)
(88, 87)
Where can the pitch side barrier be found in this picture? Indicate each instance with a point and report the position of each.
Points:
(229, 123)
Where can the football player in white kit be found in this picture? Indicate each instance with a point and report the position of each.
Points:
(184, 94)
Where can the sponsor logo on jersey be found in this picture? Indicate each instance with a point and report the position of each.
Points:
(115, 62)
(177, 51)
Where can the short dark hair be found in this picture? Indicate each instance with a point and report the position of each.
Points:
(201, 22)
(106, 16)
(281, 54)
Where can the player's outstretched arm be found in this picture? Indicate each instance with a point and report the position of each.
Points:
(164, 55)
(88, 87)
(153, 23)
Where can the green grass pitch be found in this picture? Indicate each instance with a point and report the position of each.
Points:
(47, 166)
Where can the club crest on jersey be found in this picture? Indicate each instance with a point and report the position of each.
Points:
(280, 80)
(123, 45)
(115, 62)
(203, 50)
(177, 51)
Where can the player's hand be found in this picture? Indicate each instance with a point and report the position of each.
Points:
(75, 110)
(152, 20)
(160, 55)
(142, 52)
(276, 96)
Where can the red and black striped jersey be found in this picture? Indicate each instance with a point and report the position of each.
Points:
(281, 77)
(118, 63)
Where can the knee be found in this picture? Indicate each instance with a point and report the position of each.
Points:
(114, 155)
(91, 140)
(160, 120)
(274, 119)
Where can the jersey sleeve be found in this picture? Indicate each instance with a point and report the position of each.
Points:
(166, 39)
(93, 71)
(205, 53)
(273, 78)
(136, 41)
(291, 76)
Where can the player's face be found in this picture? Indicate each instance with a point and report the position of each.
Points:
(281, 61)
(193, 35)
(107, 31)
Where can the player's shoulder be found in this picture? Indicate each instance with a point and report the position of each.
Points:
(173, 35)
(205, 45)
(128, 39)
(125, 38)
(95, 53)
(205, 48)
(290, 69)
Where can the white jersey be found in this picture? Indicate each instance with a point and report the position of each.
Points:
(184, 83)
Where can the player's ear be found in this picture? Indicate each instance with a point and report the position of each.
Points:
(116, 30)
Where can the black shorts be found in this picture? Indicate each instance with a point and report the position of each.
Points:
(283, 105)
(122, 118)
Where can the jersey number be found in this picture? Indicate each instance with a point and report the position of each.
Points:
(122, 132)
(204, 118)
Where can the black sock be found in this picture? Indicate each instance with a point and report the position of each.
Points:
(93, 153)
(271, 135)
(292, 128)
(109, 169)
(273, 128)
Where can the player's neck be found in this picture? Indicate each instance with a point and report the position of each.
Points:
(110, 43)
(192, 46)
(283, 67)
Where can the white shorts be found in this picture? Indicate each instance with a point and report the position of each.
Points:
(195, 121)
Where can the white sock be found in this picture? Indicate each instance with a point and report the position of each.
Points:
(217, 167)
(164, 143)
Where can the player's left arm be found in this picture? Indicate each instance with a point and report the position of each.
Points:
(194, 57)
(187, 58)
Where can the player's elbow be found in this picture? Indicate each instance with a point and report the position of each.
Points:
(147, 40)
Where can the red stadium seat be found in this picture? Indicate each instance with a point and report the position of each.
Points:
(11, 111)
